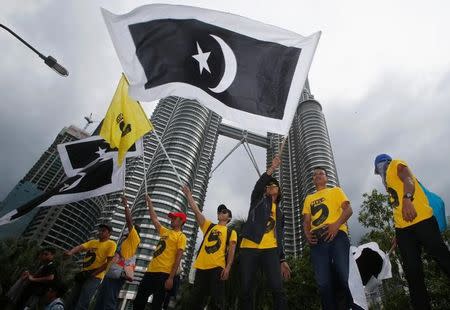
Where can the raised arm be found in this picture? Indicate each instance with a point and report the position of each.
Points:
(128, 217)
(153, 215)
(259, 188)
(198, 214)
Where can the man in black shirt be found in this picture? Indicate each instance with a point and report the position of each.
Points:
(39, 280)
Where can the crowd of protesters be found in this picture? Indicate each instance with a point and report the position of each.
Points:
(106, 267)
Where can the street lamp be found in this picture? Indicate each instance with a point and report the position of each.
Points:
(49, 60)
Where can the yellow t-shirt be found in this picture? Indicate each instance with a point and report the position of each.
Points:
(395, 190)
(164, 256)
(325, 207)
(212, 253)
(97, 254)
(129, 245)
(268, 240)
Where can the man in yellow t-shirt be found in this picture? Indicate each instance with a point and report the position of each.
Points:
(262, 245)
(325, 215)
(99, 253)
(122, 266)
(214, 258)
(166, 259)
(415, 225)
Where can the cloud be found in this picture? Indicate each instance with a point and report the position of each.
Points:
(402, 116)
(382, 85)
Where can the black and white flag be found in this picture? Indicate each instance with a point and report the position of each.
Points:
(91, 170)
(250, 73)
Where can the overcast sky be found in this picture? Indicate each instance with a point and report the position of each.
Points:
(381, 73)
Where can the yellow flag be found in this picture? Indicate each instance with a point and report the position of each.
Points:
(125, 122)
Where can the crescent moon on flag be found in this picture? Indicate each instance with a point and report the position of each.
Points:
(230, 66)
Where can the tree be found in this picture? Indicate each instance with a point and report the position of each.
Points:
(301, 289)
(18, 255)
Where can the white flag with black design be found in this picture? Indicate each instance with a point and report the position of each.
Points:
(372, 262)
(250, 73)
(91, 170)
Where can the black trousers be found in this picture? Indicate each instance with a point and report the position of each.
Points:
(207, 283)
(152, 283)
(410, 242)
(268, 262)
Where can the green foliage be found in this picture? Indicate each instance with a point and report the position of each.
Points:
(18, 255)
(301, 290)
(376, 213)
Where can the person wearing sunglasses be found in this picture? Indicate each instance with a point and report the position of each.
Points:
(215, 256)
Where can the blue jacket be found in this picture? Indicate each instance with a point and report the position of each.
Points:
(259, 213)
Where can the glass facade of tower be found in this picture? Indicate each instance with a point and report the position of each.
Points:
(189, 134)
(307, 146)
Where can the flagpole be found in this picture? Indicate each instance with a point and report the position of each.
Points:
(167, 155)
(283, 143)
(145, 174)
(124, 176)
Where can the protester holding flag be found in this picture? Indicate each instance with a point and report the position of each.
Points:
(415, 225)
(122, 267)
(162, 269)
(214, 258)
(325, 225)
(99, 253)
(262, 245)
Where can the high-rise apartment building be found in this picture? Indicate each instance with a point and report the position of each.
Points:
(189, 134)
(59, 226)
(44, 175)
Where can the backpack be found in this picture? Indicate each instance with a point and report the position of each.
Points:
(438, 206)
(227, 242)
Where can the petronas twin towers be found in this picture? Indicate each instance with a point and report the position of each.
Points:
(189, 133)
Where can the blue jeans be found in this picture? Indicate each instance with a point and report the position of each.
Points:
(330, 263)
(82, 294)
(108, 293)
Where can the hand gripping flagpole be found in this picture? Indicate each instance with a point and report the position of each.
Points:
(283, 143)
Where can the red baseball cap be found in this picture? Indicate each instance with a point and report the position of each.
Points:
(181, 215)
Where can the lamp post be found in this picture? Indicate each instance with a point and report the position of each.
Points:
(49, 60)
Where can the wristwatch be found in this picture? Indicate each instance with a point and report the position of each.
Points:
(408, 196)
